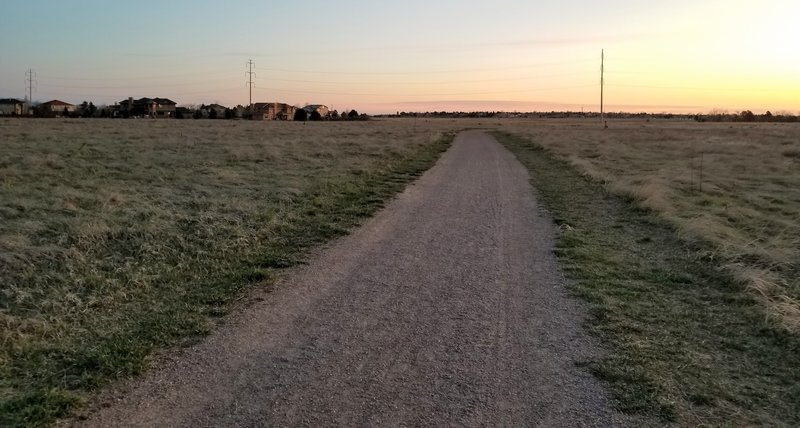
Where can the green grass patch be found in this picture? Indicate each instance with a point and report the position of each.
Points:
(686, 344)
(118, 238)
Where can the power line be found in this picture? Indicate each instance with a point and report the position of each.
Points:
(428, 82)
(140, 85)
(123, 83)
(514, 91)
(692, 88)
(413, 72)
(147, 78)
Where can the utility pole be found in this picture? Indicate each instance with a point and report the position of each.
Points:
(30, 81)
(602, 83)
(250, 74)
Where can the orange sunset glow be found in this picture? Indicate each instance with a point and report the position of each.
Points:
(685, 56)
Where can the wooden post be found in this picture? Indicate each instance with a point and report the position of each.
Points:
(602, 83)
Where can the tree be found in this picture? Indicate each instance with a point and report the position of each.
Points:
(229, 113)
(301, 115)
(747, 116)
(212, 113)
(353, 115)
(334, 115)
(315, 116)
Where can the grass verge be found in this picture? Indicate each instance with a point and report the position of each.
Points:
(94, 290)
(733, 187)
(687, 344)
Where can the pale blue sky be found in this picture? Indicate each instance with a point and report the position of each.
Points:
(412, 55)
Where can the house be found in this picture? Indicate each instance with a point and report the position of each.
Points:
(11, 106)
(271, 111)
(218, 111)
(55, 108)
(319, 108)
(150, 107)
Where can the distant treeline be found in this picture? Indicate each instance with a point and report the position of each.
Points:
(747, 116)
(744, 116)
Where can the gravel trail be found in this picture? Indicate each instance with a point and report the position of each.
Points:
(447, 308)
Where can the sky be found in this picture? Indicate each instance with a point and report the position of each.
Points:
(681, 56)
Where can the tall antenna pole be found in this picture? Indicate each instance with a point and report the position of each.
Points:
(30, 80)
(602, 83)
(250, 82)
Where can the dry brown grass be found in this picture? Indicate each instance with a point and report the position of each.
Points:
(687, 343)
(121, 236)
(749, 205)
(102, 220)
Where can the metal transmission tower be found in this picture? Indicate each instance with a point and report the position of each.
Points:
(250, 74)
(30, 82)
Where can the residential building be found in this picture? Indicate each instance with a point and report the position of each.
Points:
(55, 108)
(149, 107)
(319, 108)
(271, 111)
(219, 111)
(11, 106)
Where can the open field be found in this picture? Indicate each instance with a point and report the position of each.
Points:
(121, 237)
(734, 186)
(686, 342)
(118, 238)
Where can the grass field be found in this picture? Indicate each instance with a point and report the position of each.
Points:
(687, 341)
(734, 186)
(121, 237)
(118, 238)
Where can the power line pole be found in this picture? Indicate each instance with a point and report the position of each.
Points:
(30, 81)
(602, 83)
(250, 74)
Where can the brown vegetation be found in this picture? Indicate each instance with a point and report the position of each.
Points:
(118, 237)
(736, 186)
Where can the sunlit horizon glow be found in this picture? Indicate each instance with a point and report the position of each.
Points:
(681, 57)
